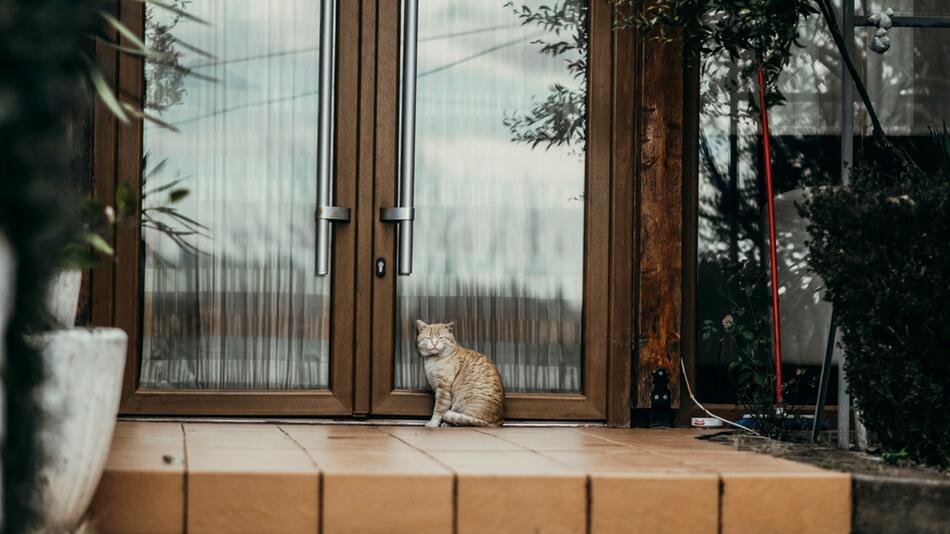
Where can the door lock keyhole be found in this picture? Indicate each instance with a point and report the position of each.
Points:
(380, 267)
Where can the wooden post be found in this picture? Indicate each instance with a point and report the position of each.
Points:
(660, 225)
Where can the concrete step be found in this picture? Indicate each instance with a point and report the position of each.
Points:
(324, 478)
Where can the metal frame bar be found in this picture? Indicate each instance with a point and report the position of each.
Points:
(825, 376)
(907, 22)
(847, 154)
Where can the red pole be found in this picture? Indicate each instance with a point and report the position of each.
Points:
(773, 255)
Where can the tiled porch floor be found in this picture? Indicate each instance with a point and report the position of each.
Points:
(257, 478)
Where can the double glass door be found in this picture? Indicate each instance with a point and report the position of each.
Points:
(316, 176)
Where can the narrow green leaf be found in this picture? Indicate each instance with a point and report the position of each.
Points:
(105, 93)
(130, 35)
(99, 244)
(140, 114)
(124, 49)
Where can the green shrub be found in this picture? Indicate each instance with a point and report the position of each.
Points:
(882, 246)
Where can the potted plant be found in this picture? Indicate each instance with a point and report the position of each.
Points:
(80, 392)
(85, 366)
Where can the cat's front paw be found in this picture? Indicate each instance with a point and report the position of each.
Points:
(433, 423)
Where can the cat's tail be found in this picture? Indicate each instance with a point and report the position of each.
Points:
(460, 419)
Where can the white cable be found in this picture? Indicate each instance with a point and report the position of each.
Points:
(703, 408)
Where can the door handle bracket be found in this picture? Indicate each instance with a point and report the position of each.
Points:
(333, 213)
(397, 214)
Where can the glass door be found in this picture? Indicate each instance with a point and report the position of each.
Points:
(244, 281)
(471, 144)
(488, 201)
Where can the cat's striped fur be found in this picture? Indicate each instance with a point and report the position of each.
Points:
(467, 385)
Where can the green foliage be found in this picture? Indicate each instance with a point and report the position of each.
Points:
(880, 244)
(560, 118)
(896, 458)
(165, 72)
(163, 216)
(752, 33)
(166, 89)
(162, 59)
(744, 335)
(99, 221)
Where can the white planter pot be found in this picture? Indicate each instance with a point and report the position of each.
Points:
(63, 298)
(81, 398)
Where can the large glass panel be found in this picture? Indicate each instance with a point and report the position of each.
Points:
(499, 192)
(733, 225)
(234, 305)
(909, 85)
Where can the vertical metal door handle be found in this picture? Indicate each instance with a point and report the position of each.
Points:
(404, 213)
(326, 212)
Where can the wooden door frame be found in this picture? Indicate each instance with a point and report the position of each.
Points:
(648, 141)
(608, 228)
(117, 158)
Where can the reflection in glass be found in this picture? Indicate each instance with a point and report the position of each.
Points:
(910, 89)
(238, 306)
(500, 189)
(733, 241)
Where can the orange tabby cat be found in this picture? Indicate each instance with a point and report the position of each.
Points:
(468, 388)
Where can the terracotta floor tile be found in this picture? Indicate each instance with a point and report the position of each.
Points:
(635, 438)
(647, 503)
(237, 437)
(552, 439)
(342, 437)
(522, 504)
(629, 462)
(148, 431)
(143, 486)
(141, 502)
(786, 503)
(235, 485)
(387, 503)
(242, 502)
(395, 488)
(450, 439)
(507, 491)
(405, 461)
(743, 462)
(501, 463)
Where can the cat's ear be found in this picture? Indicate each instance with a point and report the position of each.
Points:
(420, 325)
(450, 325)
